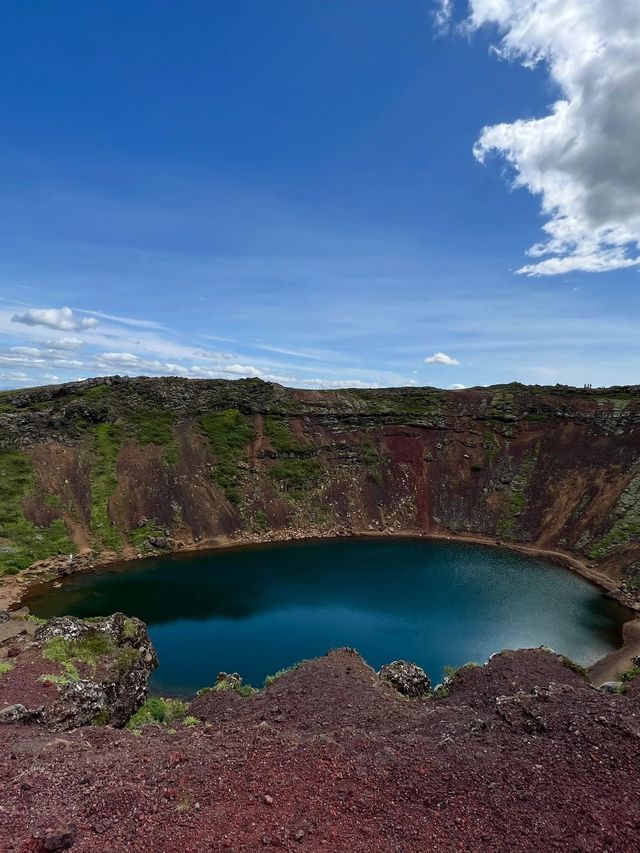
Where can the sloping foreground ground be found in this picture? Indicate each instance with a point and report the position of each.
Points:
(522, 755)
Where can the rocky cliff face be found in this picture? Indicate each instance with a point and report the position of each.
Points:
(135, 465)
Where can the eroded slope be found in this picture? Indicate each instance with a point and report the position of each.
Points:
(126, 466)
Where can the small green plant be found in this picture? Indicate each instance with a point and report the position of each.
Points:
(285, 671)
(191, 721)
(102, 718)
(580, 670)
(129, 629)
(48, 678)
(630, 674)
(441, 691)
(261, 519)
(6, 666)
(158, 712)
(230, 684)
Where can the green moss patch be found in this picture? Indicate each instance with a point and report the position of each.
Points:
(261, 520)
(228, 433)
(296, 475)
(21, 541)
(626, 526)
(282, 438)
(155, 426)
(139, 534)
(90, 650)
(372, 461)
(514, 497)
(107, 440)
(159, 712)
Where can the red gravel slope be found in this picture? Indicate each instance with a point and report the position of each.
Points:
(523, 755)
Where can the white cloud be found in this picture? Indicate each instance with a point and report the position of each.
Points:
(65, 343)
(119, 358)
(442, 14)
(14, 376)
(441, 358)
(25, 351)
(338, 383)
(54, 318)
(457, 387)
(125, 321)
(582, 159)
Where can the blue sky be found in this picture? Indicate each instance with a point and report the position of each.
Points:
(289, 190)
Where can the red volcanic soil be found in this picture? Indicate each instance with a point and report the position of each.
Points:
(522, 755)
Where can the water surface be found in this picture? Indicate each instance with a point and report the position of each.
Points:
(258, 609)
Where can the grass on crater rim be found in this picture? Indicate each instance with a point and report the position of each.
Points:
(21, 541)
(107, 440)
(282, 438)
(228, 433)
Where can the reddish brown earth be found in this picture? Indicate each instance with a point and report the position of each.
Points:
(551, 468)
(522, 755)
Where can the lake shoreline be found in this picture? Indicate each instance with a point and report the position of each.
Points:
(15, 589)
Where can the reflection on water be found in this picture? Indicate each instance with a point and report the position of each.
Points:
(256, 610)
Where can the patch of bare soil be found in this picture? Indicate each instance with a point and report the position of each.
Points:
(522, 755)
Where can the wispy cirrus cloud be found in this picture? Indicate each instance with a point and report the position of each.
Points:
(125, 321)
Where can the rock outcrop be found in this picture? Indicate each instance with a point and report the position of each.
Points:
(407, 678)
(71, 672)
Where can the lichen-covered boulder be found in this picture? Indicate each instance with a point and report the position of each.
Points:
(407, 678)
(74, 672)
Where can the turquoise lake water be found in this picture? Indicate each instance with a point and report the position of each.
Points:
(259, 609)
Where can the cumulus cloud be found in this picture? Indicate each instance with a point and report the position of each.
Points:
(62, 319)
(457, 386)
(582, 159)
(441, 358)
